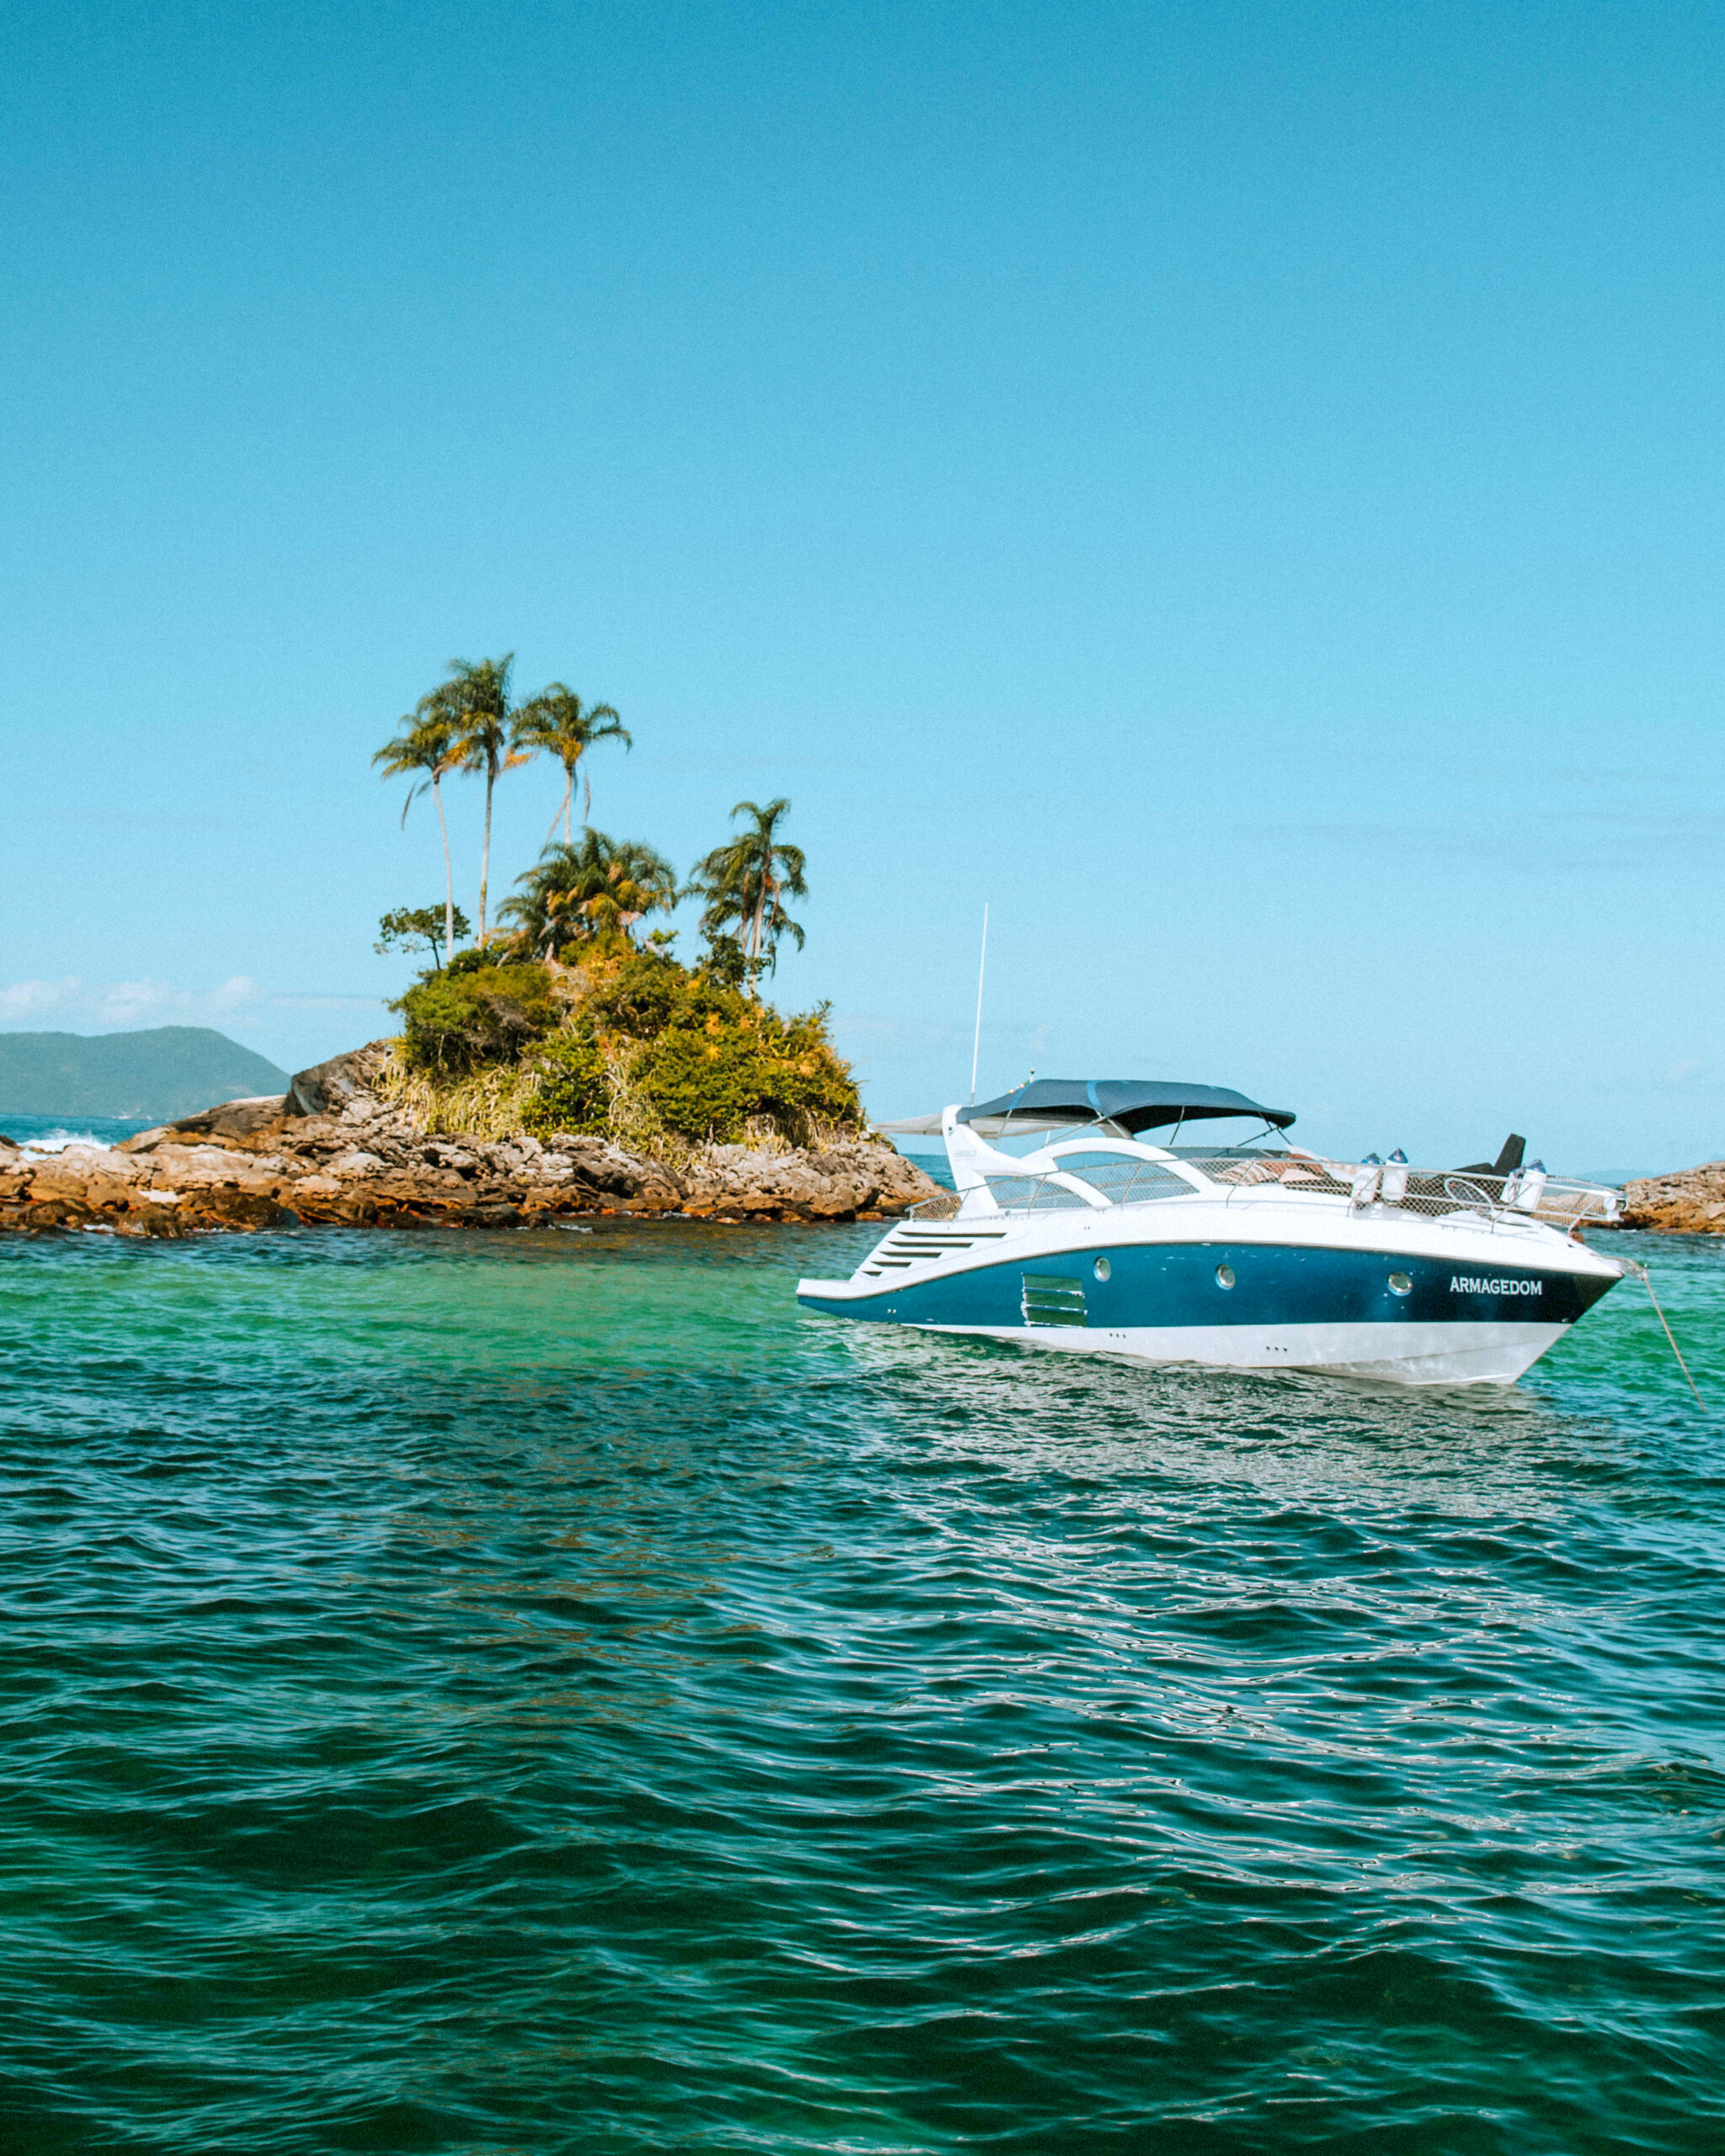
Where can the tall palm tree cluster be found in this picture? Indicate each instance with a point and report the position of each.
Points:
(582, 890)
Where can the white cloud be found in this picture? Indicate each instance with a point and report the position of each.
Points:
(121, 1007)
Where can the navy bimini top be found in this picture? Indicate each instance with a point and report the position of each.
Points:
(1131, 1104)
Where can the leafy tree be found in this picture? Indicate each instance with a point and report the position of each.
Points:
(472, 1014)
(426, 745)
(726, 960)
(407, 926)
(556, 723)
(745, 882)
(597, 888)
(473, 706)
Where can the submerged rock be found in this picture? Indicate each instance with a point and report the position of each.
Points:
(335, 1149)
(1690, 1202)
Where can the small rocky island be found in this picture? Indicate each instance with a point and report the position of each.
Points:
(337, 1148)
(558, 1065)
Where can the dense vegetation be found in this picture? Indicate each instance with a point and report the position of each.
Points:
(559, 1017)
(627, 1044)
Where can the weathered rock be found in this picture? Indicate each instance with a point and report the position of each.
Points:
(334, 1150)
(846, 1179)
(233, 1118)
(1690, 1202)
(327, 1088)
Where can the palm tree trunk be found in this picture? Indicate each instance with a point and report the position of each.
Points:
(755, 941)
(562, 809)
(448, 871)
(485, 853)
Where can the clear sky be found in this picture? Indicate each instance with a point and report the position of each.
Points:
(1235, 487)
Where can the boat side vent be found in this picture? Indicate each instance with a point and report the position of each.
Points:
(1050, 1299)
(904, 1246)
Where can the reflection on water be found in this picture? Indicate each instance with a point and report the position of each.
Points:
(542, 1692)
(1472, 1447)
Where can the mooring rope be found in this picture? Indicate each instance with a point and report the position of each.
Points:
(1642, 1274)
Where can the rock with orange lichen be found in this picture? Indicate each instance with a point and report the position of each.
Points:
(1690, 1202)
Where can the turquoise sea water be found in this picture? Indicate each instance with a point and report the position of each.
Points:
(538, 1693)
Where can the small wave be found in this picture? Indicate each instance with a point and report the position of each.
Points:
(53, 1133)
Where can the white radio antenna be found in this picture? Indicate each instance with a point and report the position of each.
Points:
(981, 969)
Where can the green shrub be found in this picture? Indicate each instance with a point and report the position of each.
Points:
(710, 1059)
(709, 1079)
(654, 1051)
(639, 995)
(472, 1014)
(572, 1091)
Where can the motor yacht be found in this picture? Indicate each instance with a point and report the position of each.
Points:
(1254, 1255)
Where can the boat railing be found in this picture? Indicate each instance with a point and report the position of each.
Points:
(1294, 1171)
(1560, 1201)
(1528, 1194)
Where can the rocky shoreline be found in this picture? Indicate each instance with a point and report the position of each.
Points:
(334, 1149)
(1690, 1202)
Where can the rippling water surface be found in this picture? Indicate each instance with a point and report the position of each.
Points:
(538, 1693)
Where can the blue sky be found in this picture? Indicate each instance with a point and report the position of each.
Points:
(1237, 487)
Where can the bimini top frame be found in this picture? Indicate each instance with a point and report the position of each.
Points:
(1124, 1106)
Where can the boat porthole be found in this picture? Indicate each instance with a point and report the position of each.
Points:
(1225, 1276)
(1102, 1268)
(1401, 1285)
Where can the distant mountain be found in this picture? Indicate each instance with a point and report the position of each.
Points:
(161, 1073)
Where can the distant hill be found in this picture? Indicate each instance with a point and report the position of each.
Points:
(161, 1073)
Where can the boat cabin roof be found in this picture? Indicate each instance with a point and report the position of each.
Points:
(1127, 1106)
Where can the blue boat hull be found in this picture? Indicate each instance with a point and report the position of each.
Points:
(1177, 1285)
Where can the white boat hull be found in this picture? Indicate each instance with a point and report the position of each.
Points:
(1416, 1354)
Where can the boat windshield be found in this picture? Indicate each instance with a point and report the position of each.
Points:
(1230, 1152)
(1122, 1179)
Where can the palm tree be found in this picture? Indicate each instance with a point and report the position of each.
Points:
(746, 881)
(474, 705)
(426, 745)
(578, 892)
(557, 721)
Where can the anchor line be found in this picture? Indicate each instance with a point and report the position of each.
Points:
(1642, 1274)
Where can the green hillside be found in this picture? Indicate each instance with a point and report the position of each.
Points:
(162, 1072)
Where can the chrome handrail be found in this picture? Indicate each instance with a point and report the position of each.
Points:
(1557, 1201)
